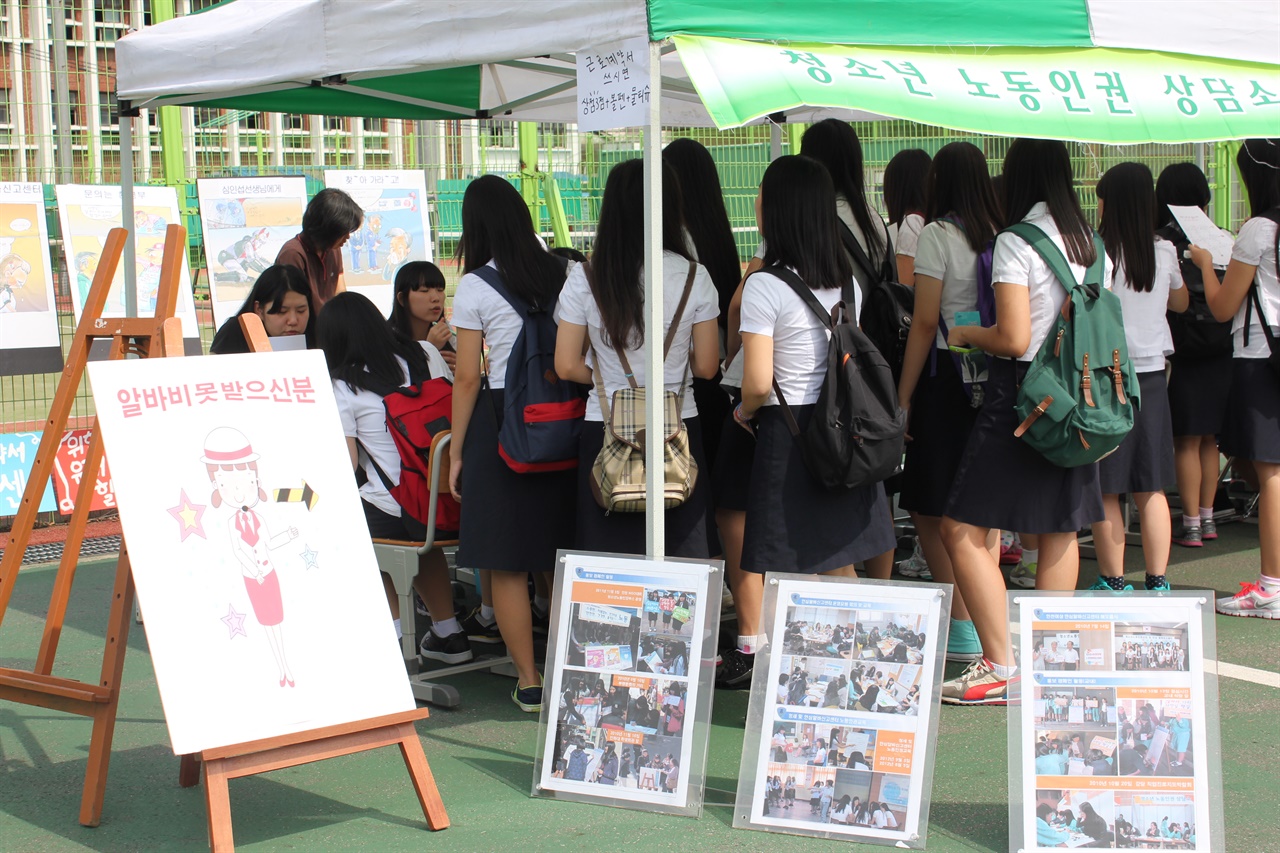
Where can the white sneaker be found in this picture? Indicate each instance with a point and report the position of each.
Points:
(915, 566)
(1251, 601)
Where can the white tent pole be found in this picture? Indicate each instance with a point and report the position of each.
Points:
(655, 517)
(126, 215)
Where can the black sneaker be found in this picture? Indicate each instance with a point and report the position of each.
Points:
(734, 670)
(541, 619)
(477, 631)
(1188, 537)
(528, 699)
(451, 649)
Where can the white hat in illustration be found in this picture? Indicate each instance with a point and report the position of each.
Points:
(227, 446)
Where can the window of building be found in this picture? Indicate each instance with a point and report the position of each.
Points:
(498, 133)
(111, 19)
(4, 107)
(335, 123)
(109, 112)
(207, 117)
(375, 125)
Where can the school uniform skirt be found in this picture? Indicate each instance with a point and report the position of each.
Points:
(941, 420)
(1144, 460)
(731, 482)
(796, 525)
(1003, 483)
(624, 532)
(510, 522)
(1252, 430)
(1198, 392)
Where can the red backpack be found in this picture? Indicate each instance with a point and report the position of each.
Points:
(416, 414)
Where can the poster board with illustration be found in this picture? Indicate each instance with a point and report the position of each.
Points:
(245, 222)
(17, 456)
(1123, 746)
(87, 213)
(627, 707)
(844, 710)
(395, 228)
(249, 547)
(29, 338)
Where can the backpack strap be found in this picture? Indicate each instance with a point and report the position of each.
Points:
(1057, 262)
(1254, 300)
(863, 260)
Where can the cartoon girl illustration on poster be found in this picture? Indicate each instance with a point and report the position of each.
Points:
(233, 471)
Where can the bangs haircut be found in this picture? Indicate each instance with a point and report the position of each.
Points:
(496, 226)
(798, 222)
(1128, 223)
(1039, 170)
(960, 184)
(411, 277)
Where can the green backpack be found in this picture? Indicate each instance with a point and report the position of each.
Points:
(1079, 396)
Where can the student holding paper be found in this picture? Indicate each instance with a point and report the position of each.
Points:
(1250, 294)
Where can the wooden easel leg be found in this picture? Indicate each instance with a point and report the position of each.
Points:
(424, 784)
(104, 718)
(189, 771)
(218, 803)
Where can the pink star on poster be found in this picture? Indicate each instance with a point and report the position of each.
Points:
(234, 622)
(189, 517)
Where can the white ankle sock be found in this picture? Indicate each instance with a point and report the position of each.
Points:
(446, 627)
(399, 630)
(1269, 585)
(1005, 672)
(1191, 521)
(486, 614)
(747, 645)
(1206, 512)
(1030, 556)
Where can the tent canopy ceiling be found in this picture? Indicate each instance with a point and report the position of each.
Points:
(440, 59)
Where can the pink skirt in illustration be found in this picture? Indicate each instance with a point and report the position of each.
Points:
(265, 598)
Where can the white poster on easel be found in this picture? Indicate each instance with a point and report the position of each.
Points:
(844, 710)
(1124, 754)
(395, 230)
(87, 213)
(29, 338)
(627, 695)
(245, 222)
(265, 610)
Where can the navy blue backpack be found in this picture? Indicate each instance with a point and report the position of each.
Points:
(542, 413)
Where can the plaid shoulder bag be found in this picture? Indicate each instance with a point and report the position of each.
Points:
(618, 475)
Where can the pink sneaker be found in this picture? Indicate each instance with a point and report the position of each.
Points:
(1251, 601)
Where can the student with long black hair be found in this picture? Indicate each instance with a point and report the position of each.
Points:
(1249, 296)
(602, 308)
(281, 297)
(367, 361)
(1002, 482)
(512, 524)
(793, 523)
(417, 307)
(963, 218)
(905, 181)
(1147, 279)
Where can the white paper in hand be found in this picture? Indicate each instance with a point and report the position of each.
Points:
(1201, 231)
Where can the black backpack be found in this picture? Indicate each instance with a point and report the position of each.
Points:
(856, 434)
(887, 304)
(1195, 333)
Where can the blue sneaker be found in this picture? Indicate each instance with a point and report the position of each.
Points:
(1102, 586)
(963, 644)
(528, 699)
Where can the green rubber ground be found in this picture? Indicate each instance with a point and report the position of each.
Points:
(481, 756)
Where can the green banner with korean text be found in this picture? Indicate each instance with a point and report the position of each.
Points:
(1085, 94)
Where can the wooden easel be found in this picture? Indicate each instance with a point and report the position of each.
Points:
(223, 764)
(145, 337)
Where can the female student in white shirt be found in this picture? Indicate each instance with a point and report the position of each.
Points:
(905, 179)
(794, 524)
(1252, 429)
(1148, 281)
(603, 304)
(1002, 482)
(367, 361)
(964, 216)
(512, 524)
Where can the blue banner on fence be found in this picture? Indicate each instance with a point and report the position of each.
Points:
(17, 455)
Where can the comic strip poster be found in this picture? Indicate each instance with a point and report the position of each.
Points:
(625, 683)
(265, 611)
(245, 222)
(29, 340)
(1112, 740)
(87, 213)
(844, 703)
(395, 228)
(17, 457)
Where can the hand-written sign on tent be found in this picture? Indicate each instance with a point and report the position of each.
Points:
(613, 85)
(68, 470)
(17, 455)
(248, 546)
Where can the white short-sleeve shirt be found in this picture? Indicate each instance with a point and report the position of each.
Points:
(946, 255)
(1015, 262)
(771, 308)
(844, 212)
(578, 306)
(906, 237)
(364, 419)
(1256, 246)
(1146, 324)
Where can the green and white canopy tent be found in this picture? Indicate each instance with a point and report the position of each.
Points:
(1112, 71)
